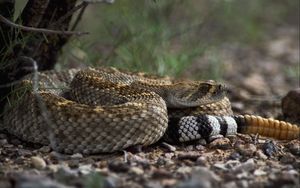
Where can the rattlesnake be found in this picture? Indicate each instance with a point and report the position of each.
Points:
(98, 110)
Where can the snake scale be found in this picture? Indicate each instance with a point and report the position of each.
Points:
(96, 110)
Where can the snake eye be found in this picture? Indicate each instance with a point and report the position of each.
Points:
(215, 89)
(204, 87)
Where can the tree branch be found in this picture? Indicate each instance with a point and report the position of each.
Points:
(33, 13)
(40, 30)
(70, 13)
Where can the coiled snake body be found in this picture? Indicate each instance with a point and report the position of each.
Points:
(104, 110)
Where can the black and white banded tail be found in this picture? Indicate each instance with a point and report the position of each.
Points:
(190, 128)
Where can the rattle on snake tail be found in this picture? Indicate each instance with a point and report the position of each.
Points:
(105, 110)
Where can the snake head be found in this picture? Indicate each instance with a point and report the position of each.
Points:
(192, 94)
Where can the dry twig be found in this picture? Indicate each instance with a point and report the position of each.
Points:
(40, 30)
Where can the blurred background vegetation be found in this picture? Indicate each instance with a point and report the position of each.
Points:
(166, 36)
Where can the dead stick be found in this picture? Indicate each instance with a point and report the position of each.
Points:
(40, 30)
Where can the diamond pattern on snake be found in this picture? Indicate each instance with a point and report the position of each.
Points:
(99, 110)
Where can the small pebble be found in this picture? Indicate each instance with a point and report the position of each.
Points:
(242, 183)
(184, 170)
(230, 184)
(168, 182)
(231, 164)
(38, 162)
(201, 177)
(294, 147)
(261, 155)
(85, 169)
(169, 147)
(118, 166)
(20, 160)
(37, 181)
(58, 156)
(202, 161)
(247, 166)
(189, 148)
(76, 156)
(193, 156)
(235, 156)
(220, 143)
(3, 136)
(287, 158)
(53, 168)
(111, 182)
(16, 141)
(247, 149)
(220, 166)
(161, 161)
(200, 147)
(169, 155)
(24, 152)
(73, 163)
(136, 170)
(269, 148)
(202, 142)
(161, 174)
(45, 149)
(259, 172)
(3, 142)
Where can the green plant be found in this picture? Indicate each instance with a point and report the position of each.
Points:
(164, 37)
(94, 180)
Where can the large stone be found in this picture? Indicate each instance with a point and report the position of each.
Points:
(291, 106)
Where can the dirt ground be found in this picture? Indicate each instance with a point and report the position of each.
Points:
(257, 78)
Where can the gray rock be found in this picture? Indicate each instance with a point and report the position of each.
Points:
(202, 161)
(220, 166)
(287, 158)
(230, 184)
(232, 164)
(85, 169)
(193, 156)
(3, 136)
(110, 182)
(3, 142)
(259, 172)
(41, 184)
(270, 148)
(247, 149)
(201, 178)
(290, 105)
(169, 147)
(161, 173)
(118, 166)
(97, 180)
(65, 174)
(294, 147)
(76, 156)
(136, 170)
(36, 181)
(45, 149)
(261, 155)
(247, 166)
(24, 152)
(184, 170)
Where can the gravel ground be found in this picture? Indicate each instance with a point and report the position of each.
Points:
(257, 83)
